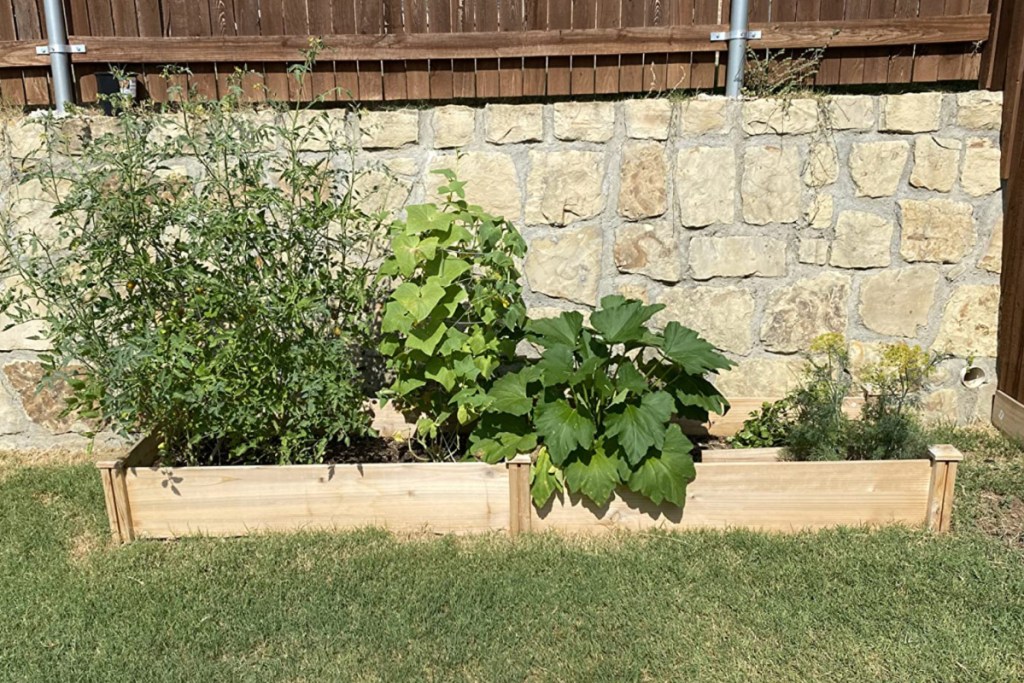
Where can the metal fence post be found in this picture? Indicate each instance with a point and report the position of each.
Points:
(59, 51)
(738, 24)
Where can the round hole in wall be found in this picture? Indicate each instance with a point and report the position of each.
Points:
(973, 377)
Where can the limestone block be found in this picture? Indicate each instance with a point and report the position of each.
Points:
(12, 418)
(980, 175)
(980, 109)
(992, 261)
(27, 336)
(863, 240)
(851, 112)
(633, 290)
(897, 302)
(453, 126)
(648, 118)
(767, 377)
(42, 405)
(813, 251)
(704, 115)
(798, 313)
(772, 187)
(567, 265)
(819, 212)
(936, 230)
(877, 167)
(389, 129)
(511, 123)
(564, 187)
(822, 165)
(782, 117)
(320, 130)
(737, 257)
(586, 121)
(911, 113)
(936, 161)
(491, 181)
(969, 322)
(381, 190)
(722, 315)
(642, 191)
(706, 186)
(648, 249)
(940, 406)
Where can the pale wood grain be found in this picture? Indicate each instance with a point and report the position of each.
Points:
(232, 501)
(742, 455)
(782, 496)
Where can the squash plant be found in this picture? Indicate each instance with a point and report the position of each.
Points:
(455, 314)
(599, 404)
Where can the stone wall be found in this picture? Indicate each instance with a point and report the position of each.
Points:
(761, 224)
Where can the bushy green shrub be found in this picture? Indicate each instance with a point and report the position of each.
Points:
(207, 277)
(811, 424)
(600, 402)
(455, 314)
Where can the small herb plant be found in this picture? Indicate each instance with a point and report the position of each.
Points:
(811, 424)
(204, 277)
(599, 404)
(455, 315)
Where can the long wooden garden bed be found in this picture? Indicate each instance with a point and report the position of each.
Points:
(746, 489)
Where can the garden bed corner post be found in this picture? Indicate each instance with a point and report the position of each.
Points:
(940, 497)
(115, 495)
(520, 509)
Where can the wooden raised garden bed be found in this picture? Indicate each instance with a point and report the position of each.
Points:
(744, 489)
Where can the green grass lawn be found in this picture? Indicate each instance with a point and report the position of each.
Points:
(846, 605)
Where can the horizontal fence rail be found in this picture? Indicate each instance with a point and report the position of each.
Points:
(450, 49)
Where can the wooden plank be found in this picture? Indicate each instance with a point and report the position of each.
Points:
(677, 72)
(936, 495)
(441, 74)
(485, 20)
(122, 504)
(743, 407)
(417, 71)
(559, 67)
(497, 45)
(606, 67)
(876, 59)
(584, 17)
(320, 15)
(346, 74)
(510, 71)
(519, 499)
(150, 25)
(106, 471)
(12, 87)
(926, 62)
(1008, 415)
(993, 59)
(830, 14)
(631, 66)
(535, 69)
(946, 515)
(742, 455)
(395, 82)
(780, 496)
(29, 23)
(851, 67)
(234, 501)
(901, 64)
(369, 25)
(655, 63)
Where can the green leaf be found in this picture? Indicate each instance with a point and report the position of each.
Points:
(404, 249)
(563, 429)
(664, 476)
(637, 429)
(556, 365)
(437, 369)
(419, 301)
(425, 218)
(426, 337)
(451, 270)
(545, 479)
(628, 378)
(564, 330)
(661, 405)
(690, 390)
(696, 356)
(509, 395)
(621, 321)
(595, 475)
(500, 436)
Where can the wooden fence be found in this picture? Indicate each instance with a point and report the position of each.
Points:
(450, 49)
(1003, 69)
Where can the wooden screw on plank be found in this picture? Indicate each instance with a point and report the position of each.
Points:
(944, 459)
(520, 509)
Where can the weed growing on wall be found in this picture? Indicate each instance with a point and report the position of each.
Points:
(207, 274)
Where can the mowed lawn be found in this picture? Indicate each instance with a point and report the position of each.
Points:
(845, 605)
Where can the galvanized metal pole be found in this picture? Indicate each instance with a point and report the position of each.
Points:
(60, 59)
(738, 24)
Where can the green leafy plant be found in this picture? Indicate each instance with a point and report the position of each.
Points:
(599, 404)
(765, 428)
(819, 428)
(889, 427)
(455, 315)
(202, 275)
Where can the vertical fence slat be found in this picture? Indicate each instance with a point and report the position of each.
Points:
(677, 70)
(485, 19)
(606, 67)
(703, 69)
(370, 21)
(926, 62)
(830, 71)
(395, 82)
(29, 22)
(584, 17)
(851, 68)
(901, 64)
(320, 15)
(510, 71)
(417, 70)
(464, 79)
(559, 68)
(631, 69)
(535, 69)
(346, 74)
(441, 74)
(876, 59)
(656, 63)
(12, 86)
